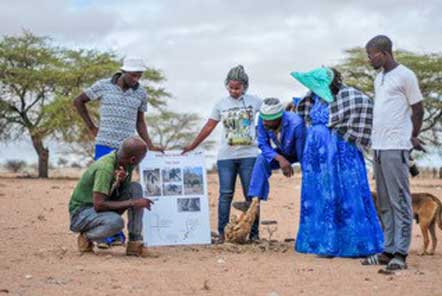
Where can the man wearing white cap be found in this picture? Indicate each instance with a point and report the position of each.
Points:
(281, 136)
(123, 102)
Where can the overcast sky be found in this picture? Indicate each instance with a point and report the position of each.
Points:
(196, 42)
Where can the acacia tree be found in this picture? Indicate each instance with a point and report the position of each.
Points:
(357, 72)
(38, 81)
(173, 130)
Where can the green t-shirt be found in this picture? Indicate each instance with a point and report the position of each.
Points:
(99, 177)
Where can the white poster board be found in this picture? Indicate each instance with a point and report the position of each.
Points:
(178, 186)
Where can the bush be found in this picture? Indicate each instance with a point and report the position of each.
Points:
(15, 165)
(75, 165)
(62, 162)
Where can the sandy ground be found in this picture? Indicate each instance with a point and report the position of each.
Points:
(38, 255)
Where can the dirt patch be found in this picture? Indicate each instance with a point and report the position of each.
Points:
(39, 257)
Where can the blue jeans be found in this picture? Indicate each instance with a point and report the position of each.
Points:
(259, 182)
(228, 169)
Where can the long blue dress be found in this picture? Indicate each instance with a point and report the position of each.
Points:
(338, 217)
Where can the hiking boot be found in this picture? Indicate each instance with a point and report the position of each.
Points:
(83, 243)
(137, 248)
(242, 206)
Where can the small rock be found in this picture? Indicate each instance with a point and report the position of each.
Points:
(61, 252)
(221, 261)
(385, 271)
(54, 281)
(206, 285)
(367, 279)
(79, 268)
(6, 291)
(28, 276)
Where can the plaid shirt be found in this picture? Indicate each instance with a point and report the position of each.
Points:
(350, 115)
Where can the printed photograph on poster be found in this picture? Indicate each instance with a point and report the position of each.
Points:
(170, 189)
(152, 180)
(180, 215)
(172, 175)
(193, 181)
(191, 204)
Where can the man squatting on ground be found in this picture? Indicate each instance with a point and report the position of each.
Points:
(104, 193)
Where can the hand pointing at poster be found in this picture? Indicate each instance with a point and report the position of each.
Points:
(142, 203)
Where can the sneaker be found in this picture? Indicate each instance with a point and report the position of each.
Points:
(83, 243)
(137, 248)
(116, 240)
(397, 263)
(103, 245)
(242, 206)
(377, 259)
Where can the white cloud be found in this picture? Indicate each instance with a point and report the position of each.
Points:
(195, 42)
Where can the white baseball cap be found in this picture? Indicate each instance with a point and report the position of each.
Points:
(133, 64)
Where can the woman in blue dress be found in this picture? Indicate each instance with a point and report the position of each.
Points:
(338, 217)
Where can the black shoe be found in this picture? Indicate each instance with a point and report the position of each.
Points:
(242, 206)
(254, 238)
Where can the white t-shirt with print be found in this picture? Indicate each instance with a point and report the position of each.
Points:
(395, 92)
(237, 116)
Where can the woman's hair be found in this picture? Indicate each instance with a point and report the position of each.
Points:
(336, 83)
(239, 74)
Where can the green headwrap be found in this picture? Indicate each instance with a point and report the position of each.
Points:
(318, 81)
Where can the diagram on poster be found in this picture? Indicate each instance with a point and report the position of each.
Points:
(178, 186)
